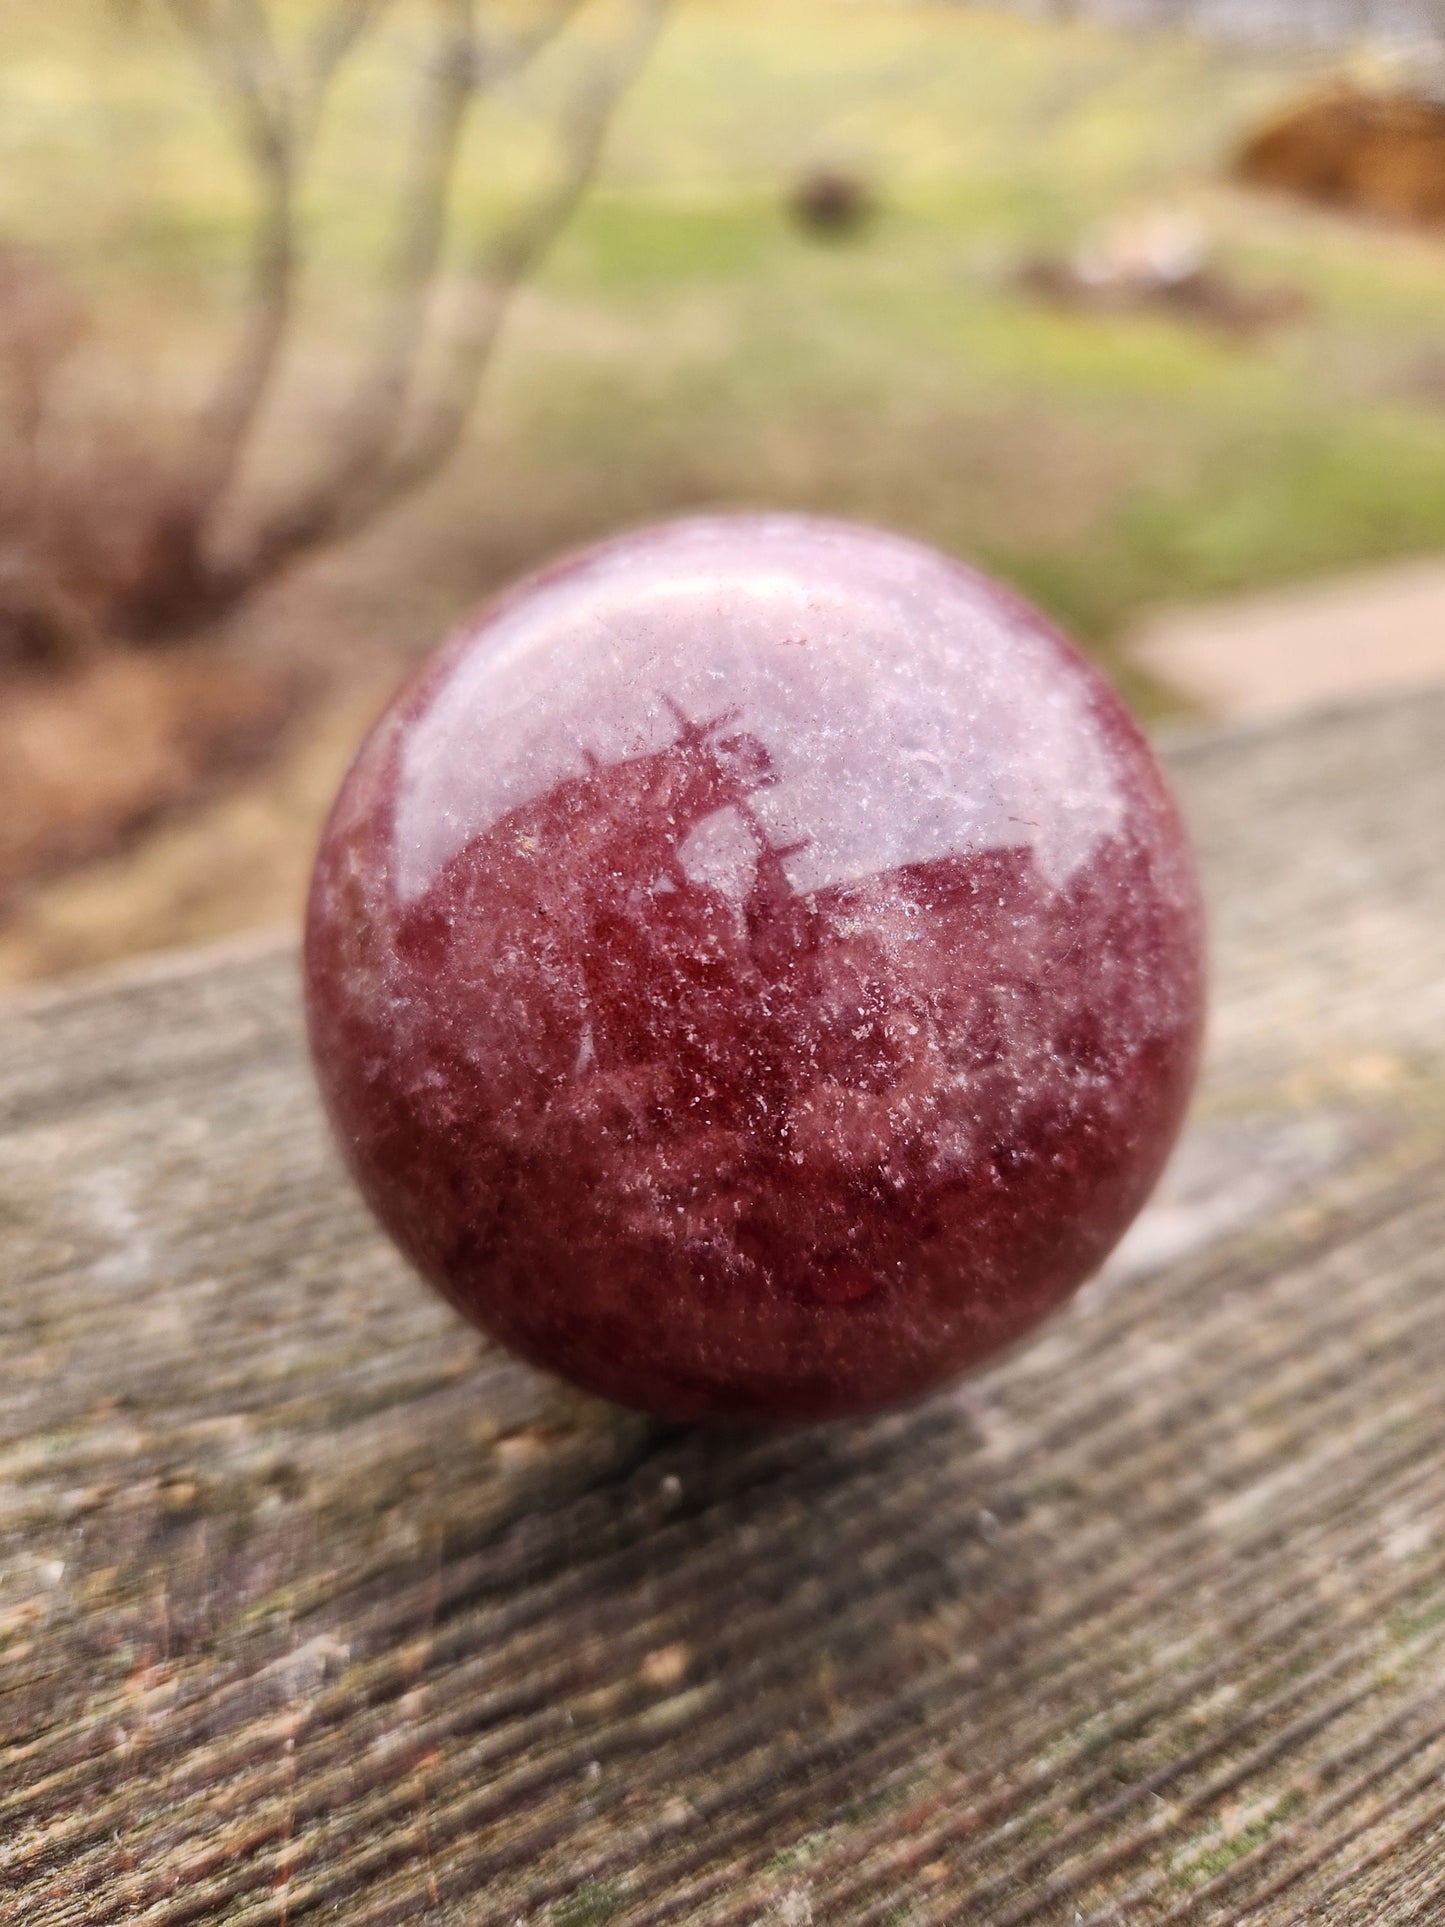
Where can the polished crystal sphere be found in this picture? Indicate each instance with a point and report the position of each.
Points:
(754, 970)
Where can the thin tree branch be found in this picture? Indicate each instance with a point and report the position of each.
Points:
(363, 439)
(235, 41)
(232, 39)
(461, 65)
(277, 124)
(499, 56)
(422, 227)
(417, 449)
(344, 25)
(509, 260)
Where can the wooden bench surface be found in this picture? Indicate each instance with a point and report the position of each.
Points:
(315, 1609)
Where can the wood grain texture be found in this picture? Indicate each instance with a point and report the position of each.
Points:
(313, 1609)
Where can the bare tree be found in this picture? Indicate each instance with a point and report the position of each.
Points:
(198, 551)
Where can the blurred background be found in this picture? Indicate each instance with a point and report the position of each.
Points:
(320, 319)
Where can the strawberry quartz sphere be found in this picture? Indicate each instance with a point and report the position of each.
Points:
(754, 969)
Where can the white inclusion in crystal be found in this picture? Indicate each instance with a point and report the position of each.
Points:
(586, 1052)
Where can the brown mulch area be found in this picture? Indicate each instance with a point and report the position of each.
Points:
(1375, 153)
(154, 796)
(93, 753)
(1207, 296)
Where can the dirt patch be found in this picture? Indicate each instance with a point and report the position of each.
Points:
(91, 754)
(1159, 264)
(1371, 153)
(153, 797)
(1206, 296)
(237, 859)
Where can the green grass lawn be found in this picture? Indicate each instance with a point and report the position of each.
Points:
(686, 345)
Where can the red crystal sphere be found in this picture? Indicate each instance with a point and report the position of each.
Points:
(754, 970)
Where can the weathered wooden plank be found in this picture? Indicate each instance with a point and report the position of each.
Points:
(314, 1609)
